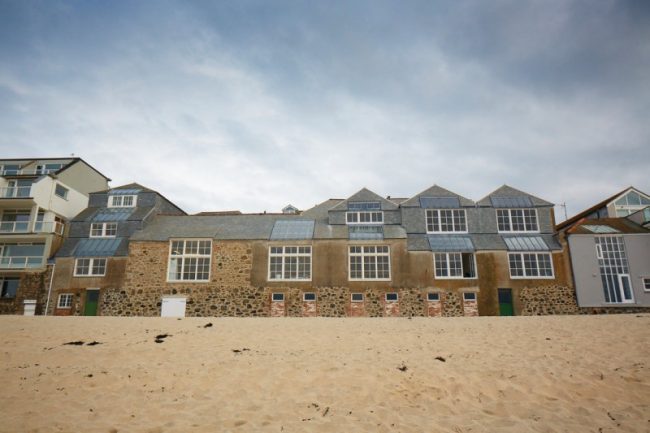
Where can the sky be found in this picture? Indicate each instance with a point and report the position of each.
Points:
(251, 105)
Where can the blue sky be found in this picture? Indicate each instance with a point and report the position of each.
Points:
(251, 105)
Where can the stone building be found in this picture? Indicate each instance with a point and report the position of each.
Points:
(435, 254)
(37, 199)
(92, 259)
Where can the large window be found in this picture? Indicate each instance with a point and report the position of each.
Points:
(630, 203)
(103, 230)
(446, 220)
(614, 271)
(90, 267)
(290, 263)
(455, 265)
(189, 260)
(530, 265)
(9, 287)
(365, 217)
(122, 200)
(369, 262)
(517, 220)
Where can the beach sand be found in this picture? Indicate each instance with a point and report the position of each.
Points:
(486, 374)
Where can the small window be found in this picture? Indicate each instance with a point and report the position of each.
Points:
(646, 284)
(309, 296)
(469, 297)
(277, 297)
(61, 191)
(90, 267)
(103, 230)
(357, 297)
(9, 287)
(391, 297)
(433, 297)
(122, 201)
(65, 300)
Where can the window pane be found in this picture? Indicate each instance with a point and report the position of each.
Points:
(503, 220)
(516, 266)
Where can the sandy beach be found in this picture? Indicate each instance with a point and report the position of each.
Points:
(487, 374)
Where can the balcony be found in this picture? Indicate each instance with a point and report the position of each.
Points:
(21, 262)
(15, 191)
(8, 227)
(27, 171)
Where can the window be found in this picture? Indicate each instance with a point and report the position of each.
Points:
(189, 260)
(309, 296)
(365, 217)
(646, 284)
(392, 297)
(65, 300)
(433, 297)
(277, 297)
(530, 265)
(356, 297)
(9, 287)
(47, 168)
(122, 200)
(61, 191)
(369, 262)
(517, 220)
(290, 263)
(630, 203)
(455, 265)
(103, 230)
(469, 297)
(614, 271)
(446, 220)
(90, 267)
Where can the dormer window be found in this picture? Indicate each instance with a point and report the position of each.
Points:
(446, 220)
(47, 168)
(365, 217)
(630, 203)
(122, 200)
(517, 220)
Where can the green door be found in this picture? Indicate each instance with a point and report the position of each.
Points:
(505, 303)
(92, 299)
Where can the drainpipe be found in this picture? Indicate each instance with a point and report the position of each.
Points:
(49, 290)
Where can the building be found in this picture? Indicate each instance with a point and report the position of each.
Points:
(37, 199)
(92, 260)
(609, 247)
(435, 254)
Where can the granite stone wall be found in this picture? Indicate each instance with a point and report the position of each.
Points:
(543, 300)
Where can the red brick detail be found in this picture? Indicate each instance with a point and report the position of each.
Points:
(63, 311)
(434, 308)
(357, 309)
(391, 309)
(470, 308)
(277, 309)
(309, 309)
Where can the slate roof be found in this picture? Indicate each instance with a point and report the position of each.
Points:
(439, 192)
(508, 191)
(121, 214)
(365, 195)
(623, 225)
(481, 242)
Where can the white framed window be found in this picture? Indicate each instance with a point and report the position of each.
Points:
(122, 200)
(446, 220)
(90, 267)
(614, 270)
(392, 297)
(530, 265)
(357, 297)
(469, 296)
(454, 265)
(189, 260)
(646, 284)
(371, 262)
(290, 263)
(309, 296)
(61, 191)
(277, 297)
(65, 300)
(517, 220)
(433, 297)
(364, 217)
(103, 230)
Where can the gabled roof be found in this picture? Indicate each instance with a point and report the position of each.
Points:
(621, 225)
(510, 192)
(436, 191)
(564, 224)
(365, 195)
(72, 160)
(319, 211)
(137, 186)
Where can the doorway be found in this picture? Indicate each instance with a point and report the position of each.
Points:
(505, 303)
(92, 301)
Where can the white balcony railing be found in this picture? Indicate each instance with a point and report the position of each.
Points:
(27, 171)
(21, 262)
(15, 191)
(25, 227)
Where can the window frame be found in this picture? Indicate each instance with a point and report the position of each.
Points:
(304, 296)
(431, 294)
(391, 300)
(65, 191)
(183, 256)
(474, 294)
(277, 294)
(523, 264)
(358, 213)
(363, 297)
(646, 284)
(510, 210)
(429, 215)
(104, 229)
(284, 255)
(363, 254)
(2, 283)
(91, 266)
(62, 296)
(112, 200)
(448, 262)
